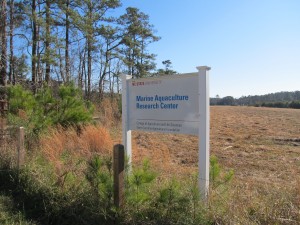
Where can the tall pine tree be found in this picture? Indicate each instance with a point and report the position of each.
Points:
(3, 60)
(138, 34)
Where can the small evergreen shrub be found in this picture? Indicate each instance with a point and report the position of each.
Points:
(84, 195)
(40, 111)
(216, 178)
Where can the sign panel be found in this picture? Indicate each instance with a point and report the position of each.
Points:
(167, 104)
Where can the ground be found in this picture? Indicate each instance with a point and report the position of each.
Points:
(259, 144)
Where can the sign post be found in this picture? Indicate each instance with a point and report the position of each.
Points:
(126, 132)
(203, 160)
(176, 104)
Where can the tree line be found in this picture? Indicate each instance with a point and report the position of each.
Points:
(277, 100)
(88, 42)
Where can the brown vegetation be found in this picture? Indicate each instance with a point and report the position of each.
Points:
(59, 142)
(259, 144)
(108, 113)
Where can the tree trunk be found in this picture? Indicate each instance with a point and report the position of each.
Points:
(11, 43)
(34, 43)
(110, 80)
(39, 67)
(47, 43)
(3, 63)
(89, 69)
(118, 85)
(61, 67)
(89, 50)
(80, 71)
(102, 76)
(85, 76)
(67, 42)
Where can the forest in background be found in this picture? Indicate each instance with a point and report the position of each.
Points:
(86, 42)
(283, 99)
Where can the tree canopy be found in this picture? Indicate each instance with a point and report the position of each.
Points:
(86, 42)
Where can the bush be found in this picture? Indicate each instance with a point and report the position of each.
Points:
(37, 112)
(86, 196)
(20, 100)
(292, 104)
(218, 179)
(70, 108)
(295, 105)
(150, 200)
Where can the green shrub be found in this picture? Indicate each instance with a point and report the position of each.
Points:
(217, 178)
(71, 109)
(99, 175)
(138, 185)
(87, 195)
(294, 105)
(170, 202)
(20, 99)
(219, 194)
(37, 112)
(10, 216)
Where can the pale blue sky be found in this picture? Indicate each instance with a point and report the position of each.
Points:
(252, 46)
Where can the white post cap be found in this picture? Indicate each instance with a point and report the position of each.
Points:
(203, 67)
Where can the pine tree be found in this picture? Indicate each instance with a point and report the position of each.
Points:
(92, 16)
(11, 43)
(109, 52)
(139, 33)
(3, 60)
(35, 37)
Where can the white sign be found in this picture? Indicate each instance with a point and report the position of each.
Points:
(170, 104)
(167, 104)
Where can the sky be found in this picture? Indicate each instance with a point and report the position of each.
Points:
(252, 46)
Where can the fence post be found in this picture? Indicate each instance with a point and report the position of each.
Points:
(119, 173)
(2, 128)
(20, 146)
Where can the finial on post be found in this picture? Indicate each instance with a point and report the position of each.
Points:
(203, 68)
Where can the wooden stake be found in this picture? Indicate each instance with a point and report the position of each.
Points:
(21, 148)
(119, 173)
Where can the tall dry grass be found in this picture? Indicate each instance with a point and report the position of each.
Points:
(108, 112)
(62, 147)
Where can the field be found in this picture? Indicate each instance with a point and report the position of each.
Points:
(261, 146)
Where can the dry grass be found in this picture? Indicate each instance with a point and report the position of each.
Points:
(60, 143)
(256, 142)
(261, 145)
(108, 112)
(8, 152)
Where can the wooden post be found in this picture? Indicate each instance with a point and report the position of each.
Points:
(20, 146)
(2, 128)
(119, 173)
(3, 107)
